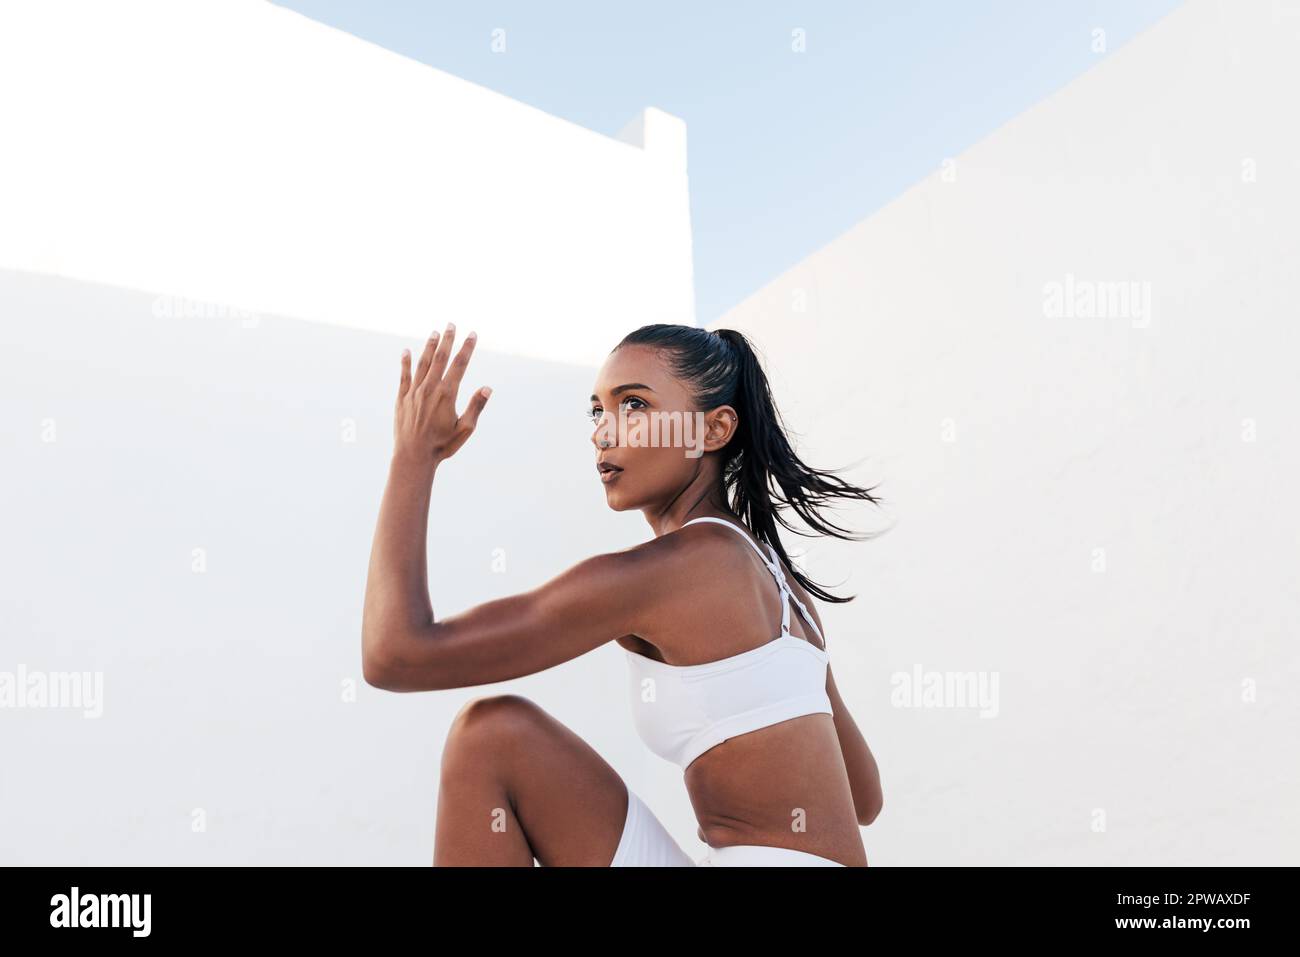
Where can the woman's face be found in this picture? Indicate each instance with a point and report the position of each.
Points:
(646, 426)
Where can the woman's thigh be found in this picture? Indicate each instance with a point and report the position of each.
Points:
(508, 763)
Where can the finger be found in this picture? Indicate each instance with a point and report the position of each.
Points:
(458, 365)
(469, 418)
(404, 386)
(440, 357)
(426, 359)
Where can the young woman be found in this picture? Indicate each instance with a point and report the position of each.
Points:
(725, 680)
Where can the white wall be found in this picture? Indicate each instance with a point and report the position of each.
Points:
(234, 152)
(1013, 445)
(175, 177)
(129, 441)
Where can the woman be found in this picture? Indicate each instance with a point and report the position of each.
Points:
(777, 770)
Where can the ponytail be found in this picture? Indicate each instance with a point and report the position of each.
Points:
(762, 476)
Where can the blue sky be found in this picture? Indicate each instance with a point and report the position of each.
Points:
(787, 150)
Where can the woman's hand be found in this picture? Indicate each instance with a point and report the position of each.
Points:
(426, 427)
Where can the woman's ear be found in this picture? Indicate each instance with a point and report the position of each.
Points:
(720, 426)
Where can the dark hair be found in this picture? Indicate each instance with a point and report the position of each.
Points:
(760, 469)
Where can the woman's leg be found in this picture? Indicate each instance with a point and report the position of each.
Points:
(517, 784)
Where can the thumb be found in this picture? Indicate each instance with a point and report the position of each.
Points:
(470, 418)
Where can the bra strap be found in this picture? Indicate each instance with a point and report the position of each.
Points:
(773, 564)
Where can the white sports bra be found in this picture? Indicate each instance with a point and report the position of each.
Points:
(681, 711)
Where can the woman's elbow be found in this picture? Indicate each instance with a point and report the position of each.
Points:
(376, 670)
(402, 662)
(379, 665)
(870, 811)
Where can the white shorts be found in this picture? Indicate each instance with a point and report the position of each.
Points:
(646, 843)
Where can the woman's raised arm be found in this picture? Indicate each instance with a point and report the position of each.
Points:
(404, 647)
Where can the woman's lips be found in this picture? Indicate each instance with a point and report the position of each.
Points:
(609, 474)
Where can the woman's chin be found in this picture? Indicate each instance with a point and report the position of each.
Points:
(615, 501)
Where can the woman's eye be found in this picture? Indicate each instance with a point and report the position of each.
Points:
(595, 414)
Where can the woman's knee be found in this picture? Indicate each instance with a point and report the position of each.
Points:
(484, 725)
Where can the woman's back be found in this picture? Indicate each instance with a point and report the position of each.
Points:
(749, 719)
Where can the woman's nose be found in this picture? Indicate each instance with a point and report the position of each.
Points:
(602, 436)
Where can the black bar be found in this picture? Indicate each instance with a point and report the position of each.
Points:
(436, 906)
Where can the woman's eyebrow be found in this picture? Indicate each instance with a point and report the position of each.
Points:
(623, 388)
